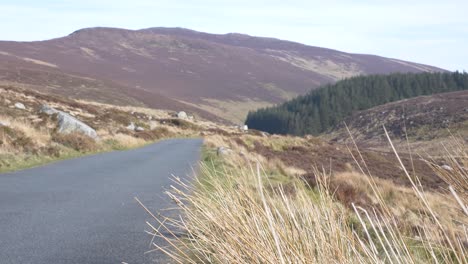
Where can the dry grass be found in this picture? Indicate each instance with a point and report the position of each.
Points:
(76, 141)
(39, 136)
(30, 138)
(234, 213)
(126, 141)
(233, 217)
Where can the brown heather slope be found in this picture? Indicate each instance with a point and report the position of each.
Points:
(425, 120)
(175, 68)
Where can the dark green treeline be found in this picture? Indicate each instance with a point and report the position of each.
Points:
(323, 108)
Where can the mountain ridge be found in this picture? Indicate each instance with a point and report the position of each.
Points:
(222, 75)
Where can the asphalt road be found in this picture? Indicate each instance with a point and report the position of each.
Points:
(83, 210)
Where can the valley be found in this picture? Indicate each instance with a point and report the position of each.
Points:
(238, 149)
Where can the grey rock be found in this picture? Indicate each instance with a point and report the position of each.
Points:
(131, 126)
(245, 128)
(182, 115)
(222, 151)
(20, 106)
(69, 124)
(4, 123)
(48, 110)
(139, 129)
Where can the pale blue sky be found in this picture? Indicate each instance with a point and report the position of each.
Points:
(431, 32)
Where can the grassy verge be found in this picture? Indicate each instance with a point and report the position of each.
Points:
(238, 211)
(13, 162)
(62, 147)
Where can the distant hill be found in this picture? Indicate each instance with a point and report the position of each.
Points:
(431, 118)
(221, 76)
(327, 107)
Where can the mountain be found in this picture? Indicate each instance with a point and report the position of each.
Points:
(326, 107)
(221, 76)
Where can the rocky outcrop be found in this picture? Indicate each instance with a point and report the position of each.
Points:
(69, 124)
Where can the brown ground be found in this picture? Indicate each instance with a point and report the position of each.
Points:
(427, 121)
(336, 158)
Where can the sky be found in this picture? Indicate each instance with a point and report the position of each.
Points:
(430, 32)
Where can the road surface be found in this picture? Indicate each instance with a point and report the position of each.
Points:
(83, 210)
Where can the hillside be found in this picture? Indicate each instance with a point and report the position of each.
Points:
(36, 128)
(214, 75)
(422, 119)
(326, 107)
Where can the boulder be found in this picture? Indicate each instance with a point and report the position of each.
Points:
(182, 115)
(69, 124)
(245, 128)
(222, 151)
(20, 106)
(131, 126)
(4, 123)
(139, 129)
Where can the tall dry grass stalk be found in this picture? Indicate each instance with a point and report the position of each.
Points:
(235, 215)
(455, 170)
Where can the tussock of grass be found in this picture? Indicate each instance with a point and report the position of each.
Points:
(76, 141)
(235, 213)
(240, 219)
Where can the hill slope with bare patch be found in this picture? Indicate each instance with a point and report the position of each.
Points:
(226, 75)
(425, 120)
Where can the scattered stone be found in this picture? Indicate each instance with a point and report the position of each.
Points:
(20, 106)
(245, 128)
(131, 126)
(139, 129)
(182, 115)
(446, 167)
(48, 110)
(4, 123)
(222, 151)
